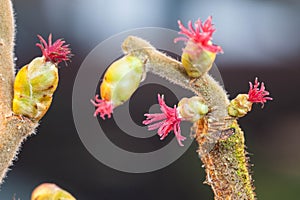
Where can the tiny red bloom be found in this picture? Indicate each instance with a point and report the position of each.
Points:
(56, 52)
(201, 35)
(256, 95)
(165, 122)
(103, 107)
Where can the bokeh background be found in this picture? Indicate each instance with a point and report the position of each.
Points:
(259, 38)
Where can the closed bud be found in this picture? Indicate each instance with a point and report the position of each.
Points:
(192, 109)
(34, 86)
(197, 64)
(48, 191)
(120, 81)
(239, 106)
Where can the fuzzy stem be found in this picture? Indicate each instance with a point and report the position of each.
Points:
(226, 165)
(172, 70)
(13, 129)
(6, 57)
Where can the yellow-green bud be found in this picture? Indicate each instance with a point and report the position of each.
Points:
(197, 64)
(192, 109)
(34, 86)
(36, 82)
(121, 79)
(48, 191)
(239, 106)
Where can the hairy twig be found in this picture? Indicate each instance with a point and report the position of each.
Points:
(13, 129)
(6, 57)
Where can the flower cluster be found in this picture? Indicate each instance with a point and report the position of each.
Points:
(201, 35)
(168, 120)
(104, 107)
(189, 109)
(256, 95)
(56, 52)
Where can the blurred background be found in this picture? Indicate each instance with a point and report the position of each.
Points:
(259, 37)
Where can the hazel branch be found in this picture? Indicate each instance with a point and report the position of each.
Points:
(226, 164)
(6, 57)
(13, 129)
(24, 99)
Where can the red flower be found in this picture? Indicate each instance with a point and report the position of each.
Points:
(201, 35)
(165, 122)
(103, 107)
(256, 95)
(56, 52)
